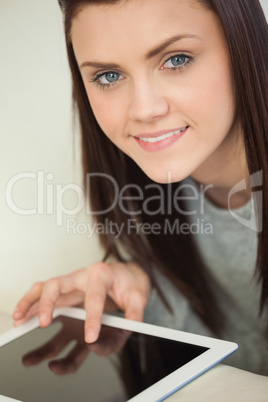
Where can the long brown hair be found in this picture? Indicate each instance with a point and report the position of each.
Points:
(246, 33)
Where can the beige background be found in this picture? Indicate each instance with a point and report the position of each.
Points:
(36, 135)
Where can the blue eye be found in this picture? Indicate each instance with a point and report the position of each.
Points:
(177, 61)
(109, 78)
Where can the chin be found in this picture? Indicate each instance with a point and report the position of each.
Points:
(163, 176)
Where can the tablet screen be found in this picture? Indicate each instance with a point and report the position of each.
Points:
(55, 364)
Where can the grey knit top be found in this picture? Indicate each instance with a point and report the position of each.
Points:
(227, 241)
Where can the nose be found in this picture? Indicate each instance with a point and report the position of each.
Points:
(147, 102)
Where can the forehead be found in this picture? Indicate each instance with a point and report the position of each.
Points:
(138, 24)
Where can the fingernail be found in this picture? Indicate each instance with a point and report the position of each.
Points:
(90, 336)
(16, 313)
(43, 318)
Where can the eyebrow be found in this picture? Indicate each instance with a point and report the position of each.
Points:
(167, 43)
(152, 53)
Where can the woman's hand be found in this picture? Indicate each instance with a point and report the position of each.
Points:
(102, 286)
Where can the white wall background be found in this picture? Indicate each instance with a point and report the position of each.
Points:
(264, 4)
(36, 135)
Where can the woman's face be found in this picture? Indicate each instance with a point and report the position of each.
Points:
(157, 76)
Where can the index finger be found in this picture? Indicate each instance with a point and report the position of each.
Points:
(50, 294)
(99, 283)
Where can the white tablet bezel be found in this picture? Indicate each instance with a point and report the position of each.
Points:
(217, 350)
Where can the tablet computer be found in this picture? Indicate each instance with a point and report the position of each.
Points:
(131, 361)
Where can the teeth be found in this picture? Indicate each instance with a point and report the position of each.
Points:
(162, 137)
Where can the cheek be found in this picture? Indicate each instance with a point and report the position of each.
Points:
(220, 92)
(108, 112)
(213, 98)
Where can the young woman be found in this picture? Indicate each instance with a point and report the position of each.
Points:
(172, 101)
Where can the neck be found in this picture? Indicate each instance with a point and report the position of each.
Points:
(222, 172)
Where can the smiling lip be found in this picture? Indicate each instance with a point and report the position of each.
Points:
(152, 142)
